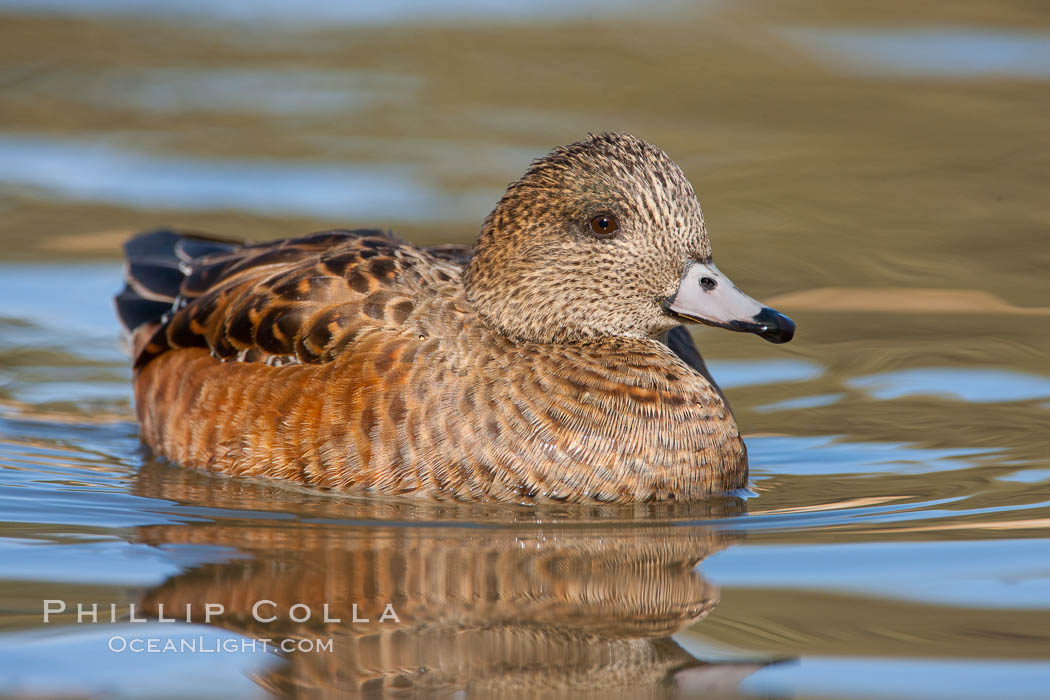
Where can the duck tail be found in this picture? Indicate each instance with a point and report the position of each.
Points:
(156, 263)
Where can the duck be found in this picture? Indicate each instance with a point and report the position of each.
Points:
(546, 363)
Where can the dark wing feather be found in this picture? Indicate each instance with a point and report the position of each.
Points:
(297, 300)
(452, 252)
(135, 310)
(680, 341)
(154, 273)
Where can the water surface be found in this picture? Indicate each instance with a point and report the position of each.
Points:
(880, 174)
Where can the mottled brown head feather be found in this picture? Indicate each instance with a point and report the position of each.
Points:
(539, 273)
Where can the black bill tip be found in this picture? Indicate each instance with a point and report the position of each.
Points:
(774, 326)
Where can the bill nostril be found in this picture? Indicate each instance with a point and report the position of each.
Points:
(707, 283)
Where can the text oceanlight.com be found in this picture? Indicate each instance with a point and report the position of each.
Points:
(209, 645)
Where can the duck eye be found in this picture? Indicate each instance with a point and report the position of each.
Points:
(604, 224)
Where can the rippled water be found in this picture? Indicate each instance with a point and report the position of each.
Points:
(879, 174)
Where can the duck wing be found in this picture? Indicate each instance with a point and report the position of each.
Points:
(293, 301)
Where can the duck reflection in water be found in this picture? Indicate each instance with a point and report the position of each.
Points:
(503, 604)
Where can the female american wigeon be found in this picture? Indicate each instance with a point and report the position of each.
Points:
(546, 363)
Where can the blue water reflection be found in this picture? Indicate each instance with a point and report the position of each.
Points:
(1010, 575)
(740, 373)
(976, 385)
(275, 92)
(328, 12)
(89, 666)
(919, 679)
(947, 52)
(816, 401)
(828, 454)
(103, 171)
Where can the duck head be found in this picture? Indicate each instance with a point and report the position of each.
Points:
(605, 238)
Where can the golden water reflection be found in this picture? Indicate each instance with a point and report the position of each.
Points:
(584, 610)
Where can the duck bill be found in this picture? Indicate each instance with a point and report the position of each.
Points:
(706, 295)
